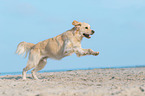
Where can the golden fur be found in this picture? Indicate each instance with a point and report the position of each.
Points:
(57, 47)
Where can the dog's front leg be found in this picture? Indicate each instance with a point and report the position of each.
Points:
(83, 52)
(68, 51)
(68, 48)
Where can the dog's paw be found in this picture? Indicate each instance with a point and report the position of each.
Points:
(79, 55)
(85, 53)
(96, 53)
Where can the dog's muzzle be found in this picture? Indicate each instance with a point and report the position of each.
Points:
(88, 35)
(92, 32)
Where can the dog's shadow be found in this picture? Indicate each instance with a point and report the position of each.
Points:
(17, 78)
(13, 78)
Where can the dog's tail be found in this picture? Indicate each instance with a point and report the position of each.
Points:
(24, 48)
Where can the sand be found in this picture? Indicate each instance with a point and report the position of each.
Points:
(96, 82)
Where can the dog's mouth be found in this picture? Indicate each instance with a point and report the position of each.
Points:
(86, 35)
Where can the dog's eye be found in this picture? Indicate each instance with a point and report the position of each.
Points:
(86, 27)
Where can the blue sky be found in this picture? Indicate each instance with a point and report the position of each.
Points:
(119, 27)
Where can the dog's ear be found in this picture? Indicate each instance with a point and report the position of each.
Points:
(76, 23)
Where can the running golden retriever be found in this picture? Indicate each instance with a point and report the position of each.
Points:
(58, 47)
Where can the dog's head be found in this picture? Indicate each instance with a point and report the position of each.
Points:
(83, 28)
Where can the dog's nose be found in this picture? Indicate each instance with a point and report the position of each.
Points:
(93, 31)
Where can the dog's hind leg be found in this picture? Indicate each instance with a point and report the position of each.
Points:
(28, 67)
(40, 66)
(34, 58)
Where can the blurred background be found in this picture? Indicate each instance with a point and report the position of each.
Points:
(119, 27)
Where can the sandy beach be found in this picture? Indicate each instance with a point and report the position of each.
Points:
(96, 82)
